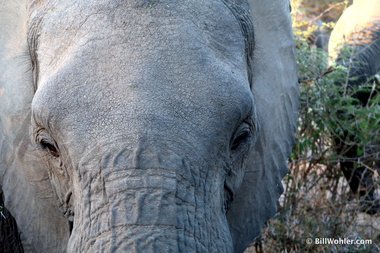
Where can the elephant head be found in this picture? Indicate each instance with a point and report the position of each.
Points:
(145, 126)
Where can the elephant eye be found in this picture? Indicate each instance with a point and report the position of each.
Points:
(243, 136)
(50, 148)
(240, 139)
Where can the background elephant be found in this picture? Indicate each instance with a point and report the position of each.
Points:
(145, 126)
(320, 37)
(355, 43)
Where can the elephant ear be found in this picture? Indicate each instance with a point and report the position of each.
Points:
(23, 178)
(275, 90)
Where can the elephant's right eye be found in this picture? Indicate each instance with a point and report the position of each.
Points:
(50, 148)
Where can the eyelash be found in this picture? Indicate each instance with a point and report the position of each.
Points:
(46, 143)
(50, 148)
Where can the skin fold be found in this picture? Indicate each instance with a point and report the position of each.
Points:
(145, 126)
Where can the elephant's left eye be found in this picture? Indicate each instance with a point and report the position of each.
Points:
(50, 148)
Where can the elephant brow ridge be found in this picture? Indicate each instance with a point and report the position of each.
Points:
(243, 16)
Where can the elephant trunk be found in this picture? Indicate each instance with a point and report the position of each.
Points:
(147, 208)
(130, 214)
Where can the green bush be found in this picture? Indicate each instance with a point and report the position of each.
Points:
(317, 202)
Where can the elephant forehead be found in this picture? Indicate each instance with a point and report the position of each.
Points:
(164, 62)
(199, 99)
(126, 28)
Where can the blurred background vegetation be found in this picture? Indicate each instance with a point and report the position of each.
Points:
(317, 202)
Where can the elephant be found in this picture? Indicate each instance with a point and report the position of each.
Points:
(320, 37)
(355, 43)
(359, 30)
(145, 125)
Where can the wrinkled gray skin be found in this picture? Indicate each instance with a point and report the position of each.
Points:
(147, 126)
(358, 32)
